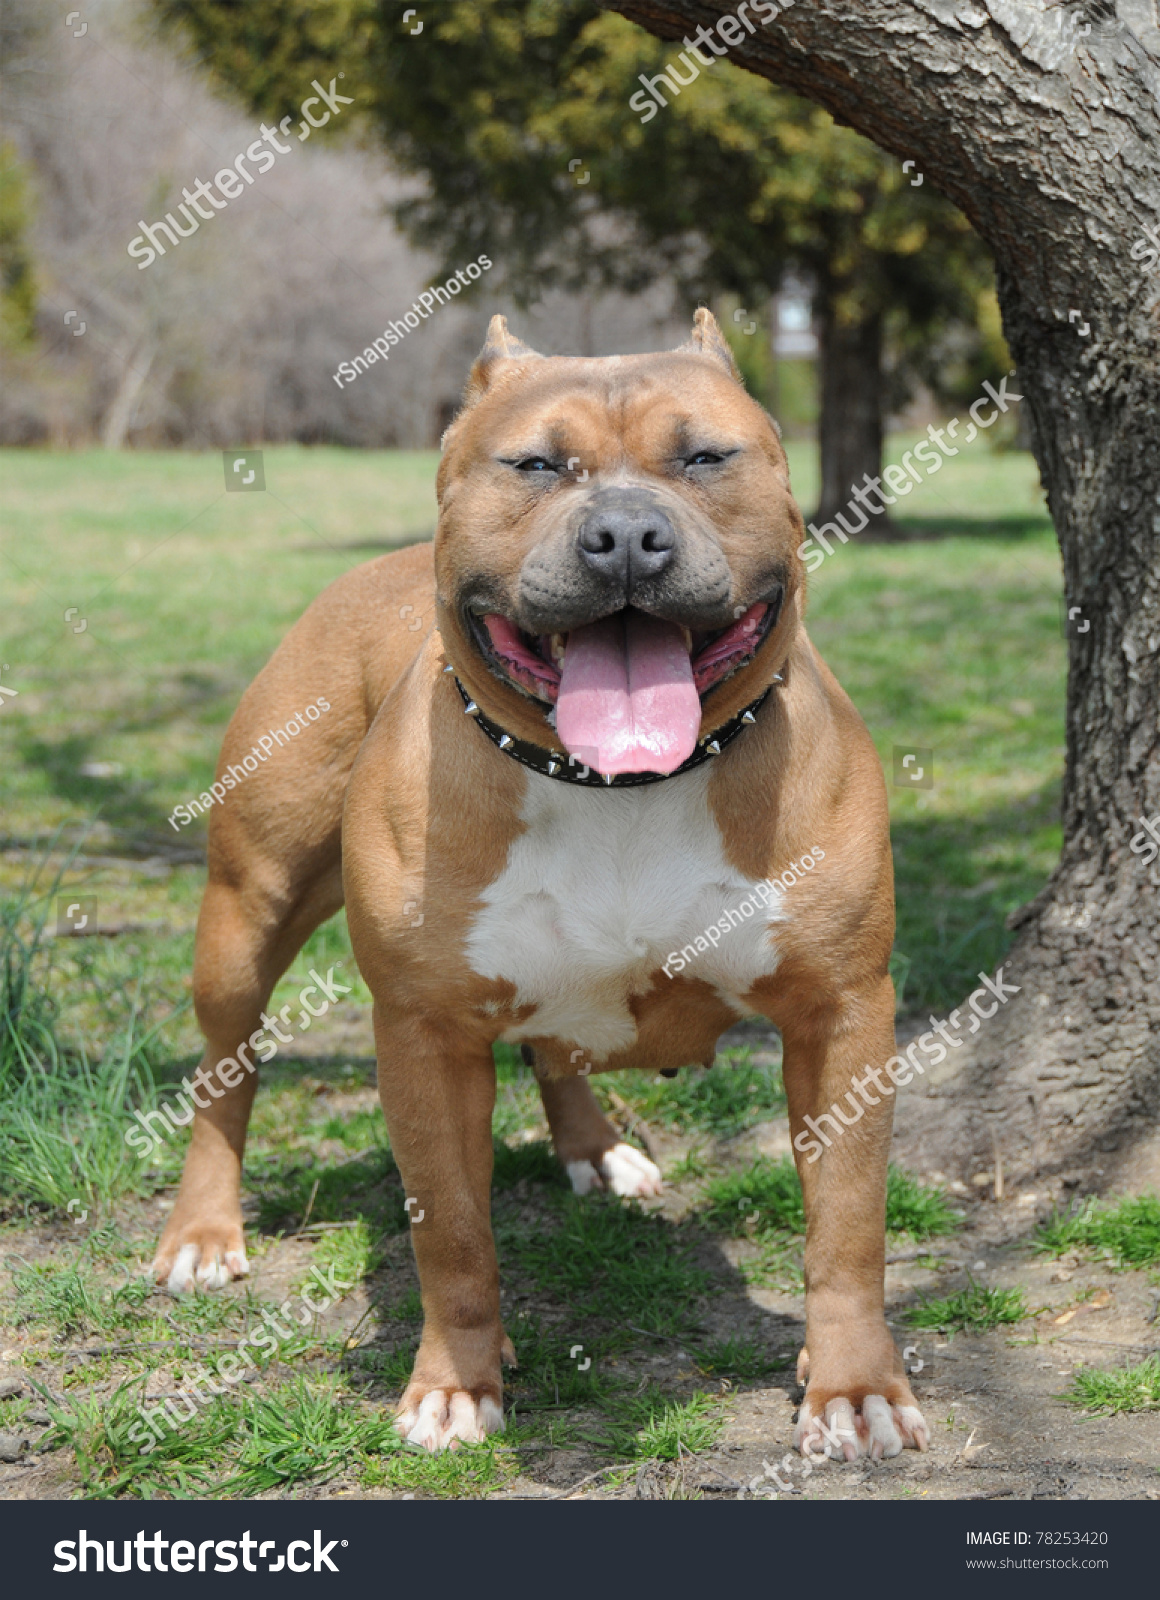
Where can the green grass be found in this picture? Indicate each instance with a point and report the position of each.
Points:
(351, 1250)
(68, 1299)
(673, 1429)
(972, 1310)
(724, 1100)
(533, 1162)
(237, 1446)
(954, 645)
(766, 1199)
(1126, 1389)
(1124, 1232)
(607, 1259)
(467, 1474)
(916, 1210)
(294, 1189)
(550, 1378)
(63, 1115)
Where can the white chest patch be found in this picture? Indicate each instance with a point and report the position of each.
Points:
(600, 890)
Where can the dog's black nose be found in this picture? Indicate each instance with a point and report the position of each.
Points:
(626, 538)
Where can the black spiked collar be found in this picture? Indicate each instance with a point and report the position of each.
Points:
(567, 769)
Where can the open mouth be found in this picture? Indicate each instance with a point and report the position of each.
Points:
(627, 689)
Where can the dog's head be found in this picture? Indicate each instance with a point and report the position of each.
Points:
(617, 545)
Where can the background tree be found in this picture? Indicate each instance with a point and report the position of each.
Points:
(17, 277)
(235, 335)
(726, 188)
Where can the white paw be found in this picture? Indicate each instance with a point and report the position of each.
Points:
(878, 1429)
(622, 1169)
(214, 1272)
(583, 1177)
(446, 1417)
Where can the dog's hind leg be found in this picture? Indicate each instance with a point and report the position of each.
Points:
(248, 934)
(593, 1153)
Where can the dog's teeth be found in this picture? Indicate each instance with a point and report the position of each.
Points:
(688, 638)
(556, 645)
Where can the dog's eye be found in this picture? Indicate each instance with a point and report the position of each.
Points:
(704, 458)
(534, 464)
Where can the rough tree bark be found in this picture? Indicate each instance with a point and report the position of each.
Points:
(1049, 141)
(850, 422)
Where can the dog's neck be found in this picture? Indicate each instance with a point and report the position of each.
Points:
(568, 769)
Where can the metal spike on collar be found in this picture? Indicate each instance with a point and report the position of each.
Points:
(551, 762)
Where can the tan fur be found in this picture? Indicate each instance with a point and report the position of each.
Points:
(432, 808)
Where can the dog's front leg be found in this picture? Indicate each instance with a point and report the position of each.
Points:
(438, 1093)
(858, 1400)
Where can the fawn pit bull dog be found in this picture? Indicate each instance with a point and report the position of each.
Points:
(608, 725)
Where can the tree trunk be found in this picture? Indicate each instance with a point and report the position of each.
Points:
(850, 429)
(1050, 143)
(133, 375)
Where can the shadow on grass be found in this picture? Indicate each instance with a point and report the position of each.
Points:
(128, 804)
(954, 892)
(1016, 528)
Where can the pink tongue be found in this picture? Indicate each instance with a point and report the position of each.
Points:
(627, 699)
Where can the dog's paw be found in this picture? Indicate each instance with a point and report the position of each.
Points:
(209, 1261)
(846, 1431)
(446, 1418)
(622, 1169)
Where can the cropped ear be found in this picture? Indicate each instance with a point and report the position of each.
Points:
(499, 346)
(707, 339)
